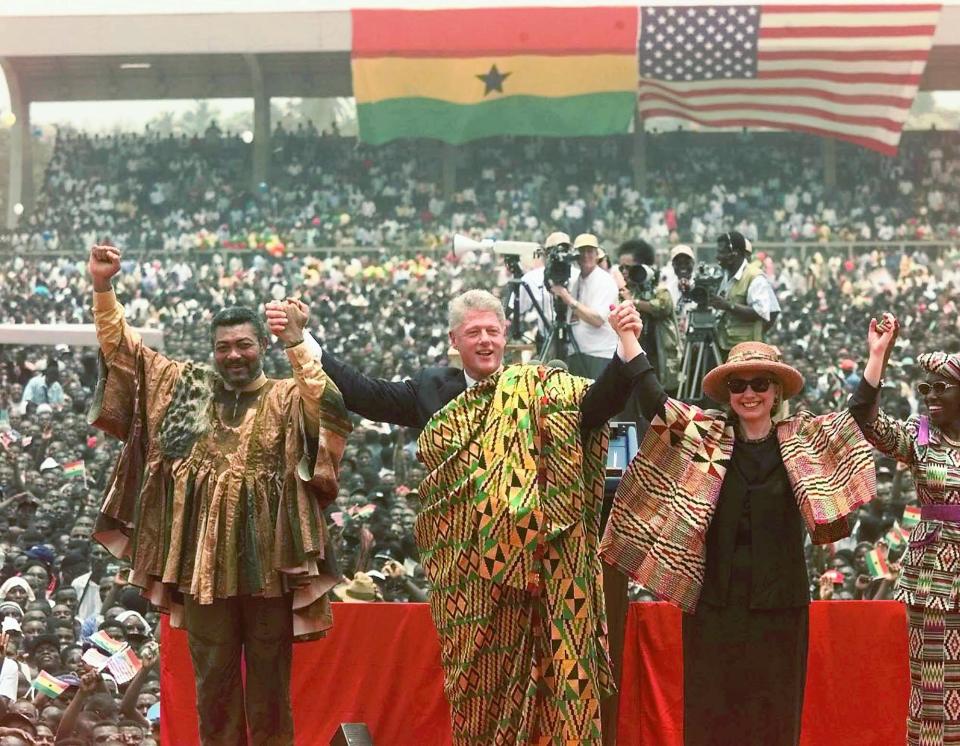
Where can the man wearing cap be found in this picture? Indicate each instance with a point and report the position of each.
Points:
(217, 502)
(535, 280)
(661, 337)
(589, 299)
(746, 299)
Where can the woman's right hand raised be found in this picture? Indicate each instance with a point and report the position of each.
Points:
(882, 336)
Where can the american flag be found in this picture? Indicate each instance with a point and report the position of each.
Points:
(844, 71)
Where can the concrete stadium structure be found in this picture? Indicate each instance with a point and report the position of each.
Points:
(102, 50)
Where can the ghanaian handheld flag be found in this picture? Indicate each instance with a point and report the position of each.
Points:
(911, 516)
(75, 468)
(876, 564)
(49, 685)
(463, 74)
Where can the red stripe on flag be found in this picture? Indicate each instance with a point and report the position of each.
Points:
(786, 92)
(843, 31)
(810, 111)
(892, 78)
(475, 31)
(866, 142)
(865, 8)
(493, 52)
(885, 55)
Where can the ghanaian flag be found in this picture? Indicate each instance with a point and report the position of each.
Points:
(463, 74)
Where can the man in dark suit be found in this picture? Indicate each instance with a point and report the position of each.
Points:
(478, 333)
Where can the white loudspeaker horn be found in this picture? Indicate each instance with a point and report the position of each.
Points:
(462, 244)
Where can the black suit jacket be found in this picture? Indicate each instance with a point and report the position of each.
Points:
(414, 401)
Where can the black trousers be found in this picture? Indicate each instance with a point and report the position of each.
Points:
(261, 630)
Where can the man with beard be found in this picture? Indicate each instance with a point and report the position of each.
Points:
(746, 299)
(217, 502)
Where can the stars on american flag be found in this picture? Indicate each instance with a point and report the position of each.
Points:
(699, 43)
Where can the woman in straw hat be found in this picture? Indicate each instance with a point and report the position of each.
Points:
(929, 583)
(710, 516)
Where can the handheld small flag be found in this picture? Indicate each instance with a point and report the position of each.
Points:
(911, 516)
(106, 643)
(49, 685)
(95, 659)
(124, 665)
(75, 469)
(877, 564)
(896, 537)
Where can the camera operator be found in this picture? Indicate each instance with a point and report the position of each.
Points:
(535, 280)
(678, 279)
(589, 299)
(642, 284)
(746, 299)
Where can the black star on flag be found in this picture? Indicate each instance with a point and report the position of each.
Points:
(493, 80)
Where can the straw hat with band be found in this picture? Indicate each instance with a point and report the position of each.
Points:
(745, 361)
(359, 590)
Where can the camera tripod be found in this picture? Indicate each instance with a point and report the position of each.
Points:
(701, 354)
(560, 334)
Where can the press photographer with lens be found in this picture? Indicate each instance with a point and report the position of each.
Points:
(747, 303)
(587, 298)
(557, 255)
(642, 284)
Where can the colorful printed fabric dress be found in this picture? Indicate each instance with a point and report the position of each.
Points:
(929, 583)
(508, 533)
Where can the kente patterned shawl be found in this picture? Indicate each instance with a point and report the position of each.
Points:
(187, 527)
(508, 533)
(666, 499)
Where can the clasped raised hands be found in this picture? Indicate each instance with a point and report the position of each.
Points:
(287, 319)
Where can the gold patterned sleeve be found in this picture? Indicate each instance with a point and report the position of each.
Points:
(112, 327)
(311, 382)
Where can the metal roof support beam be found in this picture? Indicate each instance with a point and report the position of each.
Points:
(261, 123)
(20, 176)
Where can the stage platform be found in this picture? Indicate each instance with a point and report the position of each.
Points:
(381, 666)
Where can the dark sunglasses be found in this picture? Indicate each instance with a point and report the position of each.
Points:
(739, 385)
(939, 388)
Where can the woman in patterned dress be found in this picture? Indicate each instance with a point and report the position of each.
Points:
(930, 581)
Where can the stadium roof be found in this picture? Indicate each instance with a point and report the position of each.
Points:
(98, 50)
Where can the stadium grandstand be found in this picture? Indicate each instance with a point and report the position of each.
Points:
(503, 123)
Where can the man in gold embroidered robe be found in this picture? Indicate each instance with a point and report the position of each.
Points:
(217, 502)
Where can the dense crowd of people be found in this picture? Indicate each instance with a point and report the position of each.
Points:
(181, 193)
(386, 315)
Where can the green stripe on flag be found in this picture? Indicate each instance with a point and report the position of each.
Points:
(876, 564)
(591, 115)
(911, 516)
